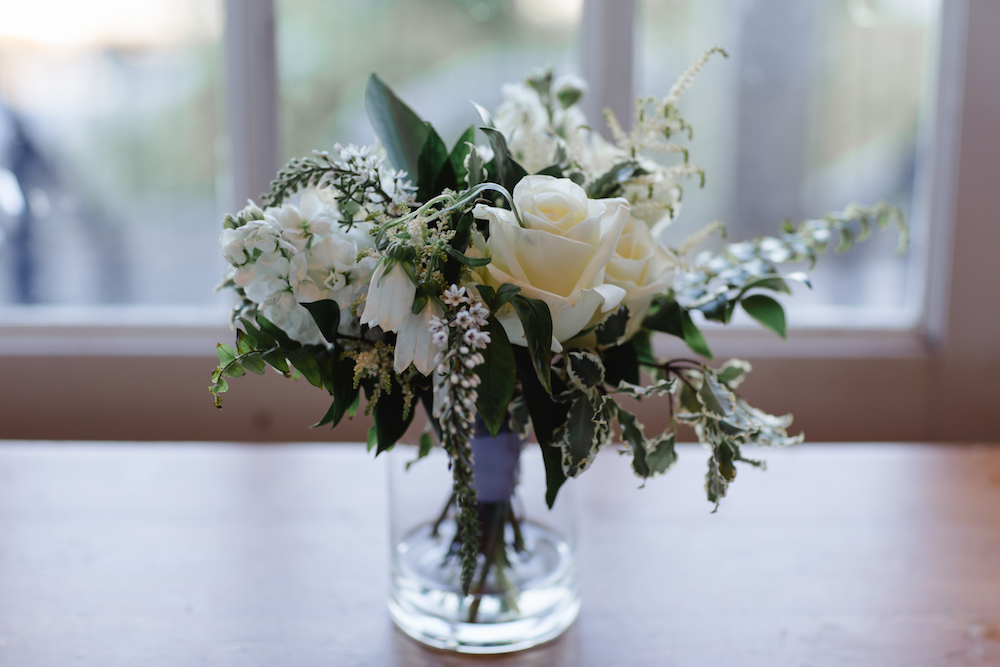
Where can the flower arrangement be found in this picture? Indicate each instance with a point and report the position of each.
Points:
(518, 279)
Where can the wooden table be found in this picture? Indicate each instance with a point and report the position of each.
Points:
(146, 554)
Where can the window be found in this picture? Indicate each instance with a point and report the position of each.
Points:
(139, 129)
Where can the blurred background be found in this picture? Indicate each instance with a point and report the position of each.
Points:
(127, 129)
(113, 147)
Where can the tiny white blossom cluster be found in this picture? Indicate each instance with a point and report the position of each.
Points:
(455, 380)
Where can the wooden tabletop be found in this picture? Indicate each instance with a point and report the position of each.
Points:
(146, 554)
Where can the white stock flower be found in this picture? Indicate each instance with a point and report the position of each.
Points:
(390, 298)
(560, 255)
(300, 224)
(642, 268)
(416, 342)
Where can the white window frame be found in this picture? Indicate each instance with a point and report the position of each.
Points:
(142, 373)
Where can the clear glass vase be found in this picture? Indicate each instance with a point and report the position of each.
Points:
(524, 591)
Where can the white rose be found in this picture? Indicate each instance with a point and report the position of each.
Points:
(559, 256)
(390, 298)
(642, 268)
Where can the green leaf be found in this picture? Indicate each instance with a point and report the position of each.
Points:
(767, 311)
(715, 397)
(263, 338)
(613, 328)
(401, 131)
(537, 321)
(326, 314)
(546, 416)
(477, 171)
(244, 342)
(234, 370)
(425, 445)
(341, 385)
(662, 455)
(458, 154)
(509, 171)
(280, 337)
(253, 363)
(693, 337)
(610, 183)
(432, 158)
(372, 437)
(276, 359)
(585, 370)
(227, 353)
(468, 261)
(633, 435)
(484, 114)
(621, 363)
(388, 417)
(498, 377)
(578, 436)
(306, 364)
(554, 170)
(665, 316)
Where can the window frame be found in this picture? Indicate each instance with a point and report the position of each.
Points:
(842, 383)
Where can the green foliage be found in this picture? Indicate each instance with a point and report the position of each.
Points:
(498, 377)
(547, 415)
(509, 171)
(667, 315)
(432, 160)
(611, 183)
(537, 321)
(716, 284)
(401, 131)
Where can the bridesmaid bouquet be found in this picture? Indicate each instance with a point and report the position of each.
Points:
(516, 277)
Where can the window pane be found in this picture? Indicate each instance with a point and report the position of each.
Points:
(821, 105)
(109, 124)
(436, 54)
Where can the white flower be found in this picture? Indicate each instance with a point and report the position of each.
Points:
(313, 218)
(560, 256)
(454, 296)
(642, 268)
(390, 298)
(417, 342)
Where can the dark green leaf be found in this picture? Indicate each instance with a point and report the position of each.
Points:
(586, 369)
(537, 322)
(458, 154)
(306, 364)
(498, 376)
(372, 437)
(613, 328)
(263, 338)
(767, 311)
(468, 261)
(665, 316)
(280, 337)
(425, 446)
(661, 455)
(509, 171)
(433, 157)
(554, 170)
(621, 363)
(632, 433)
(253, 363)
(401, 131)
(546, 416)
(276, 359)
(340, 384)
(388, 417)
(579, 435)
(693, 337)
(326, 314)
(609, 184)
